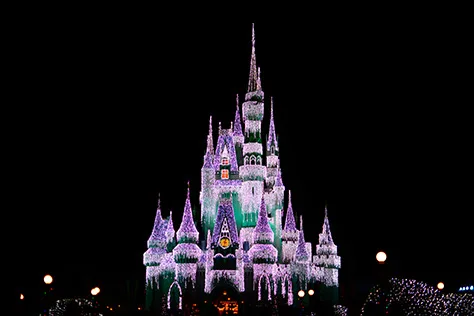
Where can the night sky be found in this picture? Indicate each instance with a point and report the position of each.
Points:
(107, 112)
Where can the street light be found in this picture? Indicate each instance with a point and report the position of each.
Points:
(300, 293)
(440, 285)
(95, 291)
(381, 257)
(311, 292)
(48, 279)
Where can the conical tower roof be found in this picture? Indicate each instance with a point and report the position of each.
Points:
(157, 237)
(237, 127)
(301, 254)
(263, 233)
(290, 224)
(187, 231)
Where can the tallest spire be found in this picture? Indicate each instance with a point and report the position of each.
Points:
(254, 75)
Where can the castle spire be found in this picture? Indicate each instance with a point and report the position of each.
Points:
(237, 123)
(301, 253)
(187, 231)
(253, 76)
(157, 236)
(290, 224)
(326, 228)
(263, 233)
(278, 179)
(272, 139)
(210, 141)
(209, 155)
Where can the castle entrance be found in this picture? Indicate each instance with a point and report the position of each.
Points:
(225, 299)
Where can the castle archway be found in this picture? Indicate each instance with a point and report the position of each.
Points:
(225, 297)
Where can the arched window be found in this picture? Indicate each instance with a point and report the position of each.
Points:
(246, 160)
(259, 160)
(225, 161)
(252, 160)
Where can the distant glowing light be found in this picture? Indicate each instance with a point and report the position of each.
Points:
(48, 279)
(22, 297)
(95, 291)
(381, 257)
(311, 292)
(440, 285)
(300, 293)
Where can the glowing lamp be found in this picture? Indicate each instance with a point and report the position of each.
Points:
(95, 291)
(440, 285)
(381, 257)
(311, 292)
(48, 279)
(300, 293)
(22, 297)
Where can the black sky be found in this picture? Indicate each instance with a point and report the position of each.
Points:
(106, 112)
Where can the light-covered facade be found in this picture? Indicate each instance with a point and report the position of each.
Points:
(248, 243)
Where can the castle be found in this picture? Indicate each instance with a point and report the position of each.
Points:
(243, 253)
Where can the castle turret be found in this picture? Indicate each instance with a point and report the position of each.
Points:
(263, 254)
(238, 135)
(329, 262)
(326, 253)
(155, 256)
(273, 160)
(157, 241)
(289, 234)
(208, 177)
(186, 253)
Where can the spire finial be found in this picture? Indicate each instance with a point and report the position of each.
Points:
(188, 191)
(252, 86)
(210, 125)
(237, 100)
(231, 125)
(159, 202)
(301, 222)
(326, 210)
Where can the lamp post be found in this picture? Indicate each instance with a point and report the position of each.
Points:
(301, 294)
(382, 277)
(440, 286)
(48, 280)
(311, 305)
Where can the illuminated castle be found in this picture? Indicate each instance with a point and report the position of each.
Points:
(243, 252)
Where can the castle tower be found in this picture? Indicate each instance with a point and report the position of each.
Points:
(273, 159)
(238, 135)
(263, 255)
(326, 257)
(186, 253)
(289, 234)
(207, 197)
(252, 172)
(153, 258)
